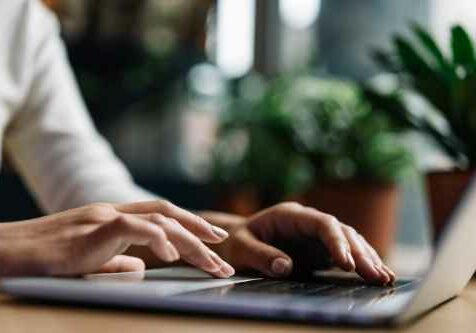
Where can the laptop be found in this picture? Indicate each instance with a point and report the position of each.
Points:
(320, 299)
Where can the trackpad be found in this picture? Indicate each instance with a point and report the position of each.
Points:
(170, 281)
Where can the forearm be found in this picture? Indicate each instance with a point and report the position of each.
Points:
(51, 139)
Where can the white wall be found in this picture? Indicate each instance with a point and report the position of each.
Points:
(445, 13)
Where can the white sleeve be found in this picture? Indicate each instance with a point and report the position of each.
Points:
(52, 141)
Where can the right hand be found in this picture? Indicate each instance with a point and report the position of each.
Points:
(91, 239)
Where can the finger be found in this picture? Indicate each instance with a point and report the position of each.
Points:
(115, 237)
(311, 222)
(257, 255)
(226, 270)
(122, 264)
(91, 251)
(194, 223)
(376, 258)
(365, 265)
(191, 248)
(391, 273)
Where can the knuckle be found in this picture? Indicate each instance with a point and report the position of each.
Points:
(331, 219)
(165, 206)
(350, 230)
(160, 234)
(290, 206)
(362, 238)
(99, 212)
(157, 218)
(164, 221)
(121, 222)
(329, 222)
(198, 221)
(174, 222)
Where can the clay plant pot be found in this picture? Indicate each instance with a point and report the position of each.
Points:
(243, 201)
(370, 208)
(445, 190)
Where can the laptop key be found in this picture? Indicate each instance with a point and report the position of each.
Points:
(333, 291)
(281, 287)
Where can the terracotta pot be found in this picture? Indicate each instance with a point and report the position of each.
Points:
(445, 190)
(243, 201)
(54, 5)
(370, 208)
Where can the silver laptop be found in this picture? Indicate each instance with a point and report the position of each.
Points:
(322, 299)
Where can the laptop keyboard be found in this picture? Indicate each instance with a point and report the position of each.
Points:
(316, 291)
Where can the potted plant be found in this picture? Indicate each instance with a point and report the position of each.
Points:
(317, 142)
(256, 163)
(447, 84)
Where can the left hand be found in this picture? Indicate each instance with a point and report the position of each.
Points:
(290, 235)
(93, 238)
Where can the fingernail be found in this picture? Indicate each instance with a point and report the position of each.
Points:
(383, 274)
(172, 252)
(390, 272)
(228, 269)
(217, 262)
(281, 266)
(221, 233)
(351, 261)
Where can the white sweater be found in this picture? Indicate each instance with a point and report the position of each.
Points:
(44, 125)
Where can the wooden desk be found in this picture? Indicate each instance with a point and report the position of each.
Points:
(458, 315)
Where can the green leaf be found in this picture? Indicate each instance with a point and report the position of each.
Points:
(385, 61)
(433, 85)
(464, 109)
(398, 112)
(436, 90)
(462, 47)
(449, 143)
(448, 83)
(390, 105)
(433, 49)
(410, 58)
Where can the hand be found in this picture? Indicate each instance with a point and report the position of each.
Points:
(310, 239)
(92, 239)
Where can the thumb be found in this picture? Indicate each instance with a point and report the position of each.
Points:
(122, 264)
(255, 254)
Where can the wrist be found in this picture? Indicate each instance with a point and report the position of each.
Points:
(6, 268)
(10, 254)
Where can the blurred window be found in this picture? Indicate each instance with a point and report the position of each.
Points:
(235, 36)
(446, 13)
(299, 14)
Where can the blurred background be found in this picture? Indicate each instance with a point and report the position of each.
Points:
(157, 75)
